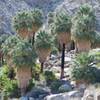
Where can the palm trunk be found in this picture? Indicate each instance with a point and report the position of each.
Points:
(83, 45)
(23, 77)
(2, 60)
(62, 62)
(33, 39)
(11, 74)
(42, 67)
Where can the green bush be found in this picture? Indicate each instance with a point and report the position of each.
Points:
(55, 86)
(9, 87)
(36, 72)
(49, 77)
(82, 68)
(96, 54)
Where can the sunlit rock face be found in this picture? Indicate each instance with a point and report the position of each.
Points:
(8, 9)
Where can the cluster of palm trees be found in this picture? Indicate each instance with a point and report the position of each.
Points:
(20, 50)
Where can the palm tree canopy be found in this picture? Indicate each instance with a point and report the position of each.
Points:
(83, 26)
(50, 19)
(3, 37)
(23, 54)
(61, 22)
(85, 9)
(9, 44)
(22, 20)
(43, 40)
(96, 38)
(37, 17)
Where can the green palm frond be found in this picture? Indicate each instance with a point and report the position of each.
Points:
(23, 54)
(84, 59)
(96, 38)
(61, 22)
(85, 10)
(37, 17)
(22, 20)
(9, 44)
(43, 40)
(83, 26)
(96, 54)
(50, 17)
(3, 38)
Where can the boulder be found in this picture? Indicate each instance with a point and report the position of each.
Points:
(91, 93)
(77, 95)
(55, 85)
(24, 98)
(38, 92)
(54, 97)
(65, 88)
(73, 95)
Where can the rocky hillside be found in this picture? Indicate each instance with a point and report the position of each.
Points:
(72, 5)
(8, 8)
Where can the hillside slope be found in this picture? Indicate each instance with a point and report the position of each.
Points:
(8, 8)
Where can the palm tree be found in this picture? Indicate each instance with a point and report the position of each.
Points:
(24, 58)
(7, 48)
(22, 24)
(3, 38)
(26, 23)
(43, 45)
(96, 42)
(83, 28)
(61, 26)
(37, 21)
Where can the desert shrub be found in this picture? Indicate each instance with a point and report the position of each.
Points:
(83, 69)
(36, 72)
(9, 87)
(49, 77)
(55, 86)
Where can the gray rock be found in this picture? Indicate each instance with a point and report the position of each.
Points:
(55, 97)
(38, 92)
(89, 93)
(74, 95)
(24, 98)
(31, 98)
(65, 88)
(90, 97)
